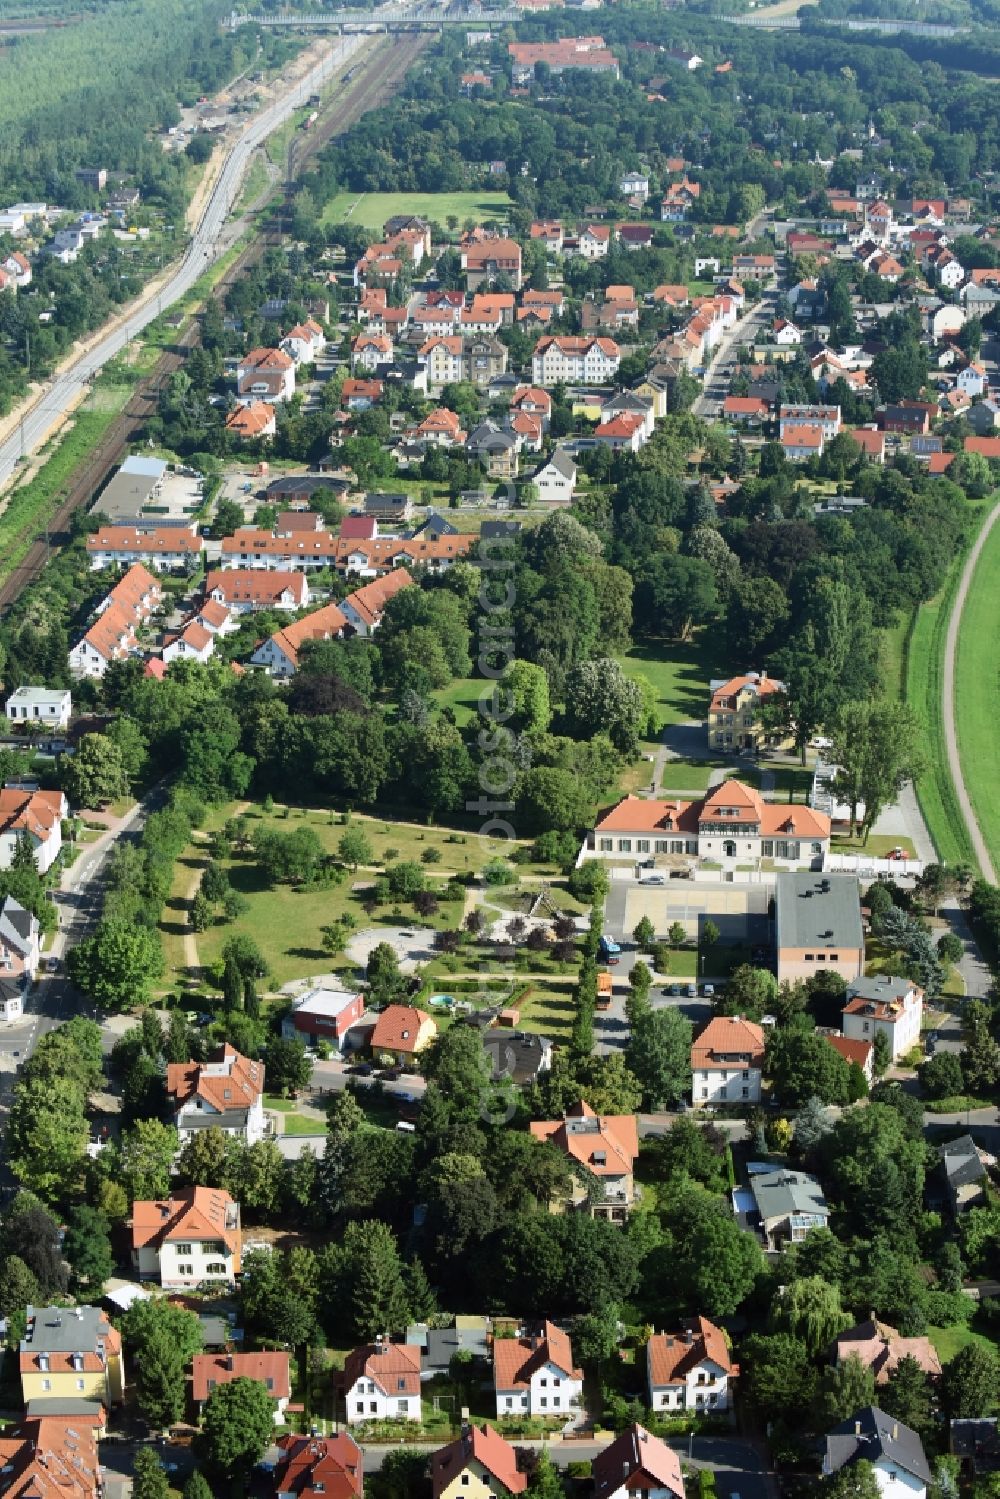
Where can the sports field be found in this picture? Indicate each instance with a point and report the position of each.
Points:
(371, 210)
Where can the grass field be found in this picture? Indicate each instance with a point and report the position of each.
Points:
(679, 673)
(978, 664)
(923, 671)
(371, 210)
(951, 1340)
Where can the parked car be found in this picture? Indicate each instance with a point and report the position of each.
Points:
(692, 991)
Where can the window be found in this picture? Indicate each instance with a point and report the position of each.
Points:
(79, 1384)
(834, 957)
(269, 1382)
(606, 845)
(543, 1383)
(465, 1480)
(624, 845)
(661, 846)
(557, 1383)
(182, 1249)
(46, 1384)
(217, 1267)
(642, 845)
(373, 1406)
(810, 957)
(555, 1401)
(185, 1269)
(510, 1402)
(865, 1025)
(543, 1402)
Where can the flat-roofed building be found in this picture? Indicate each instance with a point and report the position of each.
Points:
(818, 925)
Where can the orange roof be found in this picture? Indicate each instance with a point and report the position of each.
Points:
(726, 1037)
(239, 1086)
(253, 586)
(939, 463)
(762, 686)
(195, 635)
(266, 359)
(210, 1370)
(989, 447)
(576, 345)
(624, 425)
(319, 1467)
(250, 421)
(398, 1028)
(474, 257)
(483, 1445)
(154, 543)
(873, 443)
(745, 406)
(370, 601)
(606, 1144)
(731, 802)
(531, 395)
(852, 1051)
(195, 1213)
(51, 1458)
(324, 624)
(639, 1462)
(671, 1356)
(395, 1367)
(807, 435)
(880, 1348)
(36, 812)
(516, 1359)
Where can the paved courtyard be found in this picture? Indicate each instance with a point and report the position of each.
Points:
(739, 911)
(411, 944)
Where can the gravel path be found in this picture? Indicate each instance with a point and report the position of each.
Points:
(948, 698)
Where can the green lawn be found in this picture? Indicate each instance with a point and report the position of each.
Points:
(462, 696)
(951, 1340)
(548, 1011)
(680, 672)
(924, 668)
(371, 210)
(977, 666)
(687, 775)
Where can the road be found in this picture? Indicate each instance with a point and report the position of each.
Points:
(723, 362)
(948, 699)
(211, 238)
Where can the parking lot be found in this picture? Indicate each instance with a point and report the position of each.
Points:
(739, 911)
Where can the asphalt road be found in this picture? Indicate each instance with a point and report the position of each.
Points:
(721, 367)
(212, 237)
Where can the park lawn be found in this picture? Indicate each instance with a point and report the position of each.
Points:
(686, 775)
(879, 845)
(791, 782)
(299, 1124)
(679, 671)
(893, 653)
(371, 210)
(978, 662)
(462, 697)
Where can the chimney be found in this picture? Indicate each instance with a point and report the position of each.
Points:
(895, 1431)
(230, 1365)
(857, 1428)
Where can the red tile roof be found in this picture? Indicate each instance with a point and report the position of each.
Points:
(324, 624)
(210, 1370)
(637, 1460)
(725, 1037)
(852, 1051)
(615, 1137)
(398, 1028)
(482, 1445)
(196, 1213)
(319, 1467)
(239, 1088)
(516, 1359)
(51, 1458)
(671, 1356)
(394, 1367)
(36, 812)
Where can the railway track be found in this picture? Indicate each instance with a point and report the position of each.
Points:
(374, 85)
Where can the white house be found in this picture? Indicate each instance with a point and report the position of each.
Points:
(727, 1062)
(19, 956)
(18, 267)
(382, 1383)
(637, 1463)
(884, 1006)
(243, 591)
(112, 636)
(164, 549)
(187, 1239)
(690, 1370)
(786, 333)
(194, 643)
(536, 1376)
(894, 1451)
(33, 815)
(40, 705)
(973, 380)
(575, 361)
(304, 341)
(594, 241)
(266, 375)
(556, 479)
(226, 1092)
(634, 185)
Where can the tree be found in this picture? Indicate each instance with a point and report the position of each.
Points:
(781, 1382)
(18, 1287)
(355, 847)
(812, 1122)
(601, 699)
(146, 1156)
(876, 745)
(970, 1383)
(289, 1070)
(149, 1476)
(163, 1339)
(644, 934)
(197, 1486)
(810, 1310)
(527, 689)
(96, 773)
(950, 948)
(750, 992)
(31, 1235)
(907, 1395)
(941, 1076)
(373, 1287)
(803, 1065)
(115, 966)
(237, 1426)
(673, 594)
(385, 981)
(205, 1158)
(659, 1054)
(847, 1387)
(47, 1133)
(710, 934)
(855, 1481)
(707, 1259)
(87, 1246)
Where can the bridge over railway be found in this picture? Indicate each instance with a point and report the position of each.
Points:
(384, 18)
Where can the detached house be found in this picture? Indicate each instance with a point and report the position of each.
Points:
(637, 1463)
(884, 1006)
(727, 1062)
(319, 1467)
(556, 479)
(690, 1370)
(480, 1464)
(895, 1452)
(35, 818)
(880, 1348)
(606, 1146)
(304, 341)
(734, 717)
(19, 956)
(210, 1371)
(401, 1032)
(187, 1239)
(382, 1383)
(536, 1375)
(486, 261)
(70, 1353)
(226, 1091)
(265, 375)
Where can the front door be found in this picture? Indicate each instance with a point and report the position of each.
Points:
(729, 849)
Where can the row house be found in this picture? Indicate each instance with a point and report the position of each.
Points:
(196, 639)
(575, 361)
(265, 375)
(550, 303)
(586, 52)
(279, 654)
(250, 548)
(112, 636)
(244, 591)
(53, 1455)
(20, 955)
(164, 549)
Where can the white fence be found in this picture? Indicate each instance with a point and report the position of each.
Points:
(866, 867)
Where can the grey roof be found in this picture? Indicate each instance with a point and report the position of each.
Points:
(782, 1193)
(17, 925)
(436, 522)
(64, 1406)
(491, 437)
(197, 1119)
(562, 462)
(517, 1055)
(130, 488)
(879, 986)
(627, 400)
(872, 1435)
(495, 530)
(65, 1329)
(443, 1342)
(818, 910)
(961, 1162)
(214, 1331)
